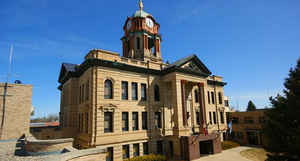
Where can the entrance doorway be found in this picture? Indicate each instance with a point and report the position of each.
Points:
(171, 146)
(206, 147)
(252, 138)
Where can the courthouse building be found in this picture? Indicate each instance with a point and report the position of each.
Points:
(136, 104)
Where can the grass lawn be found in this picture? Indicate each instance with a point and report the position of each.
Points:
(256, 154)
(229, 144)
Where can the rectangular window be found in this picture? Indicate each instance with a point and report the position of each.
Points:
(220, 98)
(135, 121)
(210, 120)
(262, 119)
(248, 120)
(208, 97)
(198, 118)
(82, 128)
(124, 90)
(87, 90)
(212, 97)
(171, 146)
(79, 122)
(82, 97)
(86, 122)
(124, 121)
(136, 150)
(145, 148)
(196, 95)
(235, 120)
(108, 122)
(144, 121)
(222, 117)
(79, 94)
(125, 151)
(233, 134)
(109, 154)
(134, 91)
(157, 119)
(226, 103)
(156, 93)
(143, 92)
(159, 147)
(138, 43)
(227, 117)
(214, 116)
(239, 135)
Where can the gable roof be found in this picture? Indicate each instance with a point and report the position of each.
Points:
(177, 65)
(70, 67)
(65, 69)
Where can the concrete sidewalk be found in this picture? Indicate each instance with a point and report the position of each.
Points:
(226, 155)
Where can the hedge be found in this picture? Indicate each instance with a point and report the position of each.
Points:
(150, 157)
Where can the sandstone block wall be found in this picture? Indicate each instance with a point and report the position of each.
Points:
(15, 110)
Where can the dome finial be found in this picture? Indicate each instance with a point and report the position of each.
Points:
(141, 5)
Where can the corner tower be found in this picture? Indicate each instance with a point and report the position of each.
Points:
(141, 38)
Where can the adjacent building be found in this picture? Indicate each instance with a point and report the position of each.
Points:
(136, 104)
(15, 110)
(46, 130)
(247, 127)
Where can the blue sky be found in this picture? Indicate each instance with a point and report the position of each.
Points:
(251, 43)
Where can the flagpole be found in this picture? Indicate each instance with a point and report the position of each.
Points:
(10, 63)
(5, 91)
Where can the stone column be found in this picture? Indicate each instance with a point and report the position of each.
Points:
(202, 104)
(157, 46)
(184, 111)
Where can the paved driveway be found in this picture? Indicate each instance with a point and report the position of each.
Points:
(226, 155)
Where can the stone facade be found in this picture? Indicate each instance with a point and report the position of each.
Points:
(247, 127)
(135, 104)
(15, 110)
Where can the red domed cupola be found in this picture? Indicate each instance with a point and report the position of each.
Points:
(141, 38)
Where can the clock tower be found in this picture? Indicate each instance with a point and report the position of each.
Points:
(141, 38)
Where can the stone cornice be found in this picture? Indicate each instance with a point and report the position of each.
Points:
(121, 66)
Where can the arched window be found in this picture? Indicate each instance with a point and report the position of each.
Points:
(108, 89)
(156, 93)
